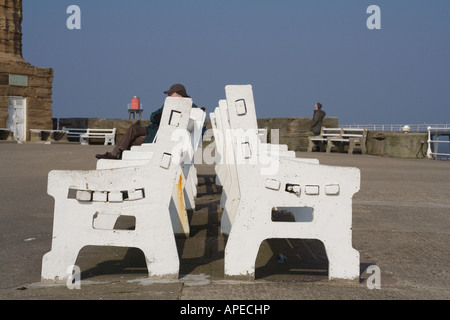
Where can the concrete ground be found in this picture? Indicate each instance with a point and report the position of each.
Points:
(401, 224)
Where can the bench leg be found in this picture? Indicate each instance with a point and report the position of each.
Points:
(57, 136)
(55, 264)
(109, 140)
(356, 144)
(238, 265)
(343, 260)
(351, 147)
(161, 261)
(7, 135)
(35, 136)
(310, 146)
(329, 146)
(321, 146)
(363, 148)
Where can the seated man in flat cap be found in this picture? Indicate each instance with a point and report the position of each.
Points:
(137, 135)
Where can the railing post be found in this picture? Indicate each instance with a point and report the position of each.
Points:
(429, 153)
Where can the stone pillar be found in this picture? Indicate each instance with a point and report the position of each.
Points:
(19, 78)
(11, 30)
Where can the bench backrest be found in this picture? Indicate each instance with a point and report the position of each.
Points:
(331, 132)
(196, 121)
(244, 106)
(354, 133)
(74, 132)
(171, 120)
(343, 133)
(101, 131)
(77, 132)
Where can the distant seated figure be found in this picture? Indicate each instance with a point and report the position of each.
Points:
(137, 135)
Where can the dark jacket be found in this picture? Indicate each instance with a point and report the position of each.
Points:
(155, 119)
(316, 124)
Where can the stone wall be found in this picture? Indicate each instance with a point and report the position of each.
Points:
(397, 144)
(38, 93)
(294, 132)
(38, 90)
(120, 124)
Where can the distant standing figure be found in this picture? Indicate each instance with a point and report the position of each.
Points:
(319, 114)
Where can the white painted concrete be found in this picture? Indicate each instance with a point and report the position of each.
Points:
(149, 188)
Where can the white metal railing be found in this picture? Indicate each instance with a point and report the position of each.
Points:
(398, 127)
(434, 142)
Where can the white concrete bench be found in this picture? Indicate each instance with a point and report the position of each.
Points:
(188, 176)
(185, 189)
(75, 133)
(225, 163)
(321, 140)
(84, 135)
(339, 138)
(354, 138)
(6, 134)
(143, 192)
(322, 194)
(109, 135)
(220, 125)
(40, 135)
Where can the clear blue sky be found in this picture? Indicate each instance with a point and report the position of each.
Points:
(294, 52)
